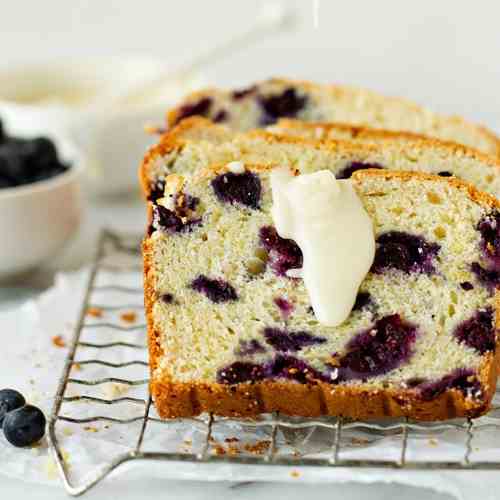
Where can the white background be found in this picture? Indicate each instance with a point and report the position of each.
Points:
(444, 54)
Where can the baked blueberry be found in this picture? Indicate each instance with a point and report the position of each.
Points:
(478, 332)
(238, 188)
(489, 227)
(445, 173)
(249, 348)
(354, 166)
(221, 116)
(363, 299)
(490, 278)
(467, 286)
(283, 254)
(10, 399)
(378, 350)
(199, 108)
(285, 306)
(240, 371)
(289, 367)
(405, 252)
(216, 290)
(285, 341)
(24, 426)
(286, 104)
(170, 221)
(240, 94)
(464, 380)
(157, 191)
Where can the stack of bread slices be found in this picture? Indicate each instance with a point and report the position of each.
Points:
(231, 326)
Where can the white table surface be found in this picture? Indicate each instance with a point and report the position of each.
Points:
(399, 53)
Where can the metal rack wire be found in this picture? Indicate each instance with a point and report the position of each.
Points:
(274, 439)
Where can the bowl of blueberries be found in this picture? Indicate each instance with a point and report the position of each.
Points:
(40, 198)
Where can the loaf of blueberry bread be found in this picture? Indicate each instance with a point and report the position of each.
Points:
(264, 103)
(230, 323)
(196, 143)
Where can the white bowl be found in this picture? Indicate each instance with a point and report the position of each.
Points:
(85, 100)
(38, 219)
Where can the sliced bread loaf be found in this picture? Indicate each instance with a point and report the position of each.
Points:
(264, 103)
(230, 332)
(196, 143)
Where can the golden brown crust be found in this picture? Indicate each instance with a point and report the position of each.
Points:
(368, 133)
(338, 91)
(175, 140)
(181, 399)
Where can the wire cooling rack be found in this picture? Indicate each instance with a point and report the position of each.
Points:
(114, 355)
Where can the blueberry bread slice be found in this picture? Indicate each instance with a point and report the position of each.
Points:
(264, 103)
(196, 143)
(231, 329)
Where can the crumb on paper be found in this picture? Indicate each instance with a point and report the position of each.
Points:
(67, 431)
(433, 442)
(58, 341)
(129, 317)
(295, 473)
(231, 440)
(95, 312)
(113, 390)
(359, 441)
(219, 449)
(77, 366)
(90, 428)
(50, 466)
(258, 448)
(188, 442)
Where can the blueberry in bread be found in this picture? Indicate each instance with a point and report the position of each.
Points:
(266, 102)
(196, 143)
(231, 328)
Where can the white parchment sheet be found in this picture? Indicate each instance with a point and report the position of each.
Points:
(34, 345)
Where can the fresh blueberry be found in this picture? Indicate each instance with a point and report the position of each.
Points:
(284, 254)
(216, 290)
(404, 252)
(478, 332)
(354, 166)
(285, 341)
(23, 161)
(238, 188)
(286, 104)
(24, 426)
(10, 399)
(198, 108)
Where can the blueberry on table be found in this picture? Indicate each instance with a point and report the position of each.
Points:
(24, 426)
(10, 400)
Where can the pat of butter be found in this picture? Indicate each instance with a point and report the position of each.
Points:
(327, 220)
